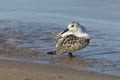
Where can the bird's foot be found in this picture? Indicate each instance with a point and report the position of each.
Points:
(70, 54)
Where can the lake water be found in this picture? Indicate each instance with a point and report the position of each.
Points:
(25, 23)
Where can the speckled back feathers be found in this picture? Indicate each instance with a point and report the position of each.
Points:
(72, 43)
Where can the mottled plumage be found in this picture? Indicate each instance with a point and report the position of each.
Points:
(72, 43)
(74, 38)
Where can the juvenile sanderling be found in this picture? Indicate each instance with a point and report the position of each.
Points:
(74, 38)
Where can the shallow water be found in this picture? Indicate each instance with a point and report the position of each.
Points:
(23, 28)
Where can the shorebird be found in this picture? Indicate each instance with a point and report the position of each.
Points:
(74, 38)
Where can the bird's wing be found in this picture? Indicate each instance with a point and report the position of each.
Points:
(66, 43)
(71, 43)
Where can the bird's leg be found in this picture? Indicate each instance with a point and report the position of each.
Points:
(51, 52)
(70, 54)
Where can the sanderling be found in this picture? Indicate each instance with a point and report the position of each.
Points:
(74, 38)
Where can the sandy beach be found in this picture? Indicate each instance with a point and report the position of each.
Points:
(18, 70)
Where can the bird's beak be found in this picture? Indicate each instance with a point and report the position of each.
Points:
(64, 31)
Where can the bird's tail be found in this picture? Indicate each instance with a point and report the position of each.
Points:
(55, 36)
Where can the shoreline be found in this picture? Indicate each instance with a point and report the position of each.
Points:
(19, 70)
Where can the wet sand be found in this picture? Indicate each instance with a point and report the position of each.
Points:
(18, 70)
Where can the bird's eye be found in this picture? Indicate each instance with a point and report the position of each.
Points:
(72, 25)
